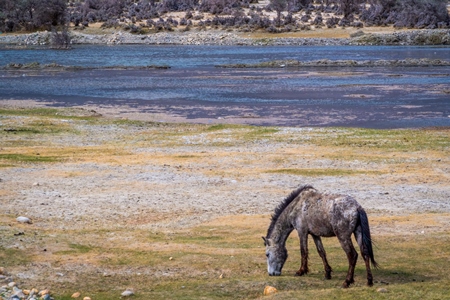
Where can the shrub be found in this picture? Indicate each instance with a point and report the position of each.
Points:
(407, 13)
(60, 39)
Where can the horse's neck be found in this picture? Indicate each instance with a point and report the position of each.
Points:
(283, 227)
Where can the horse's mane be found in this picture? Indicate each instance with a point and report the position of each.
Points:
(282, 206)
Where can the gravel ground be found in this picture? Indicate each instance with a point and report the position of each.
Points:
(149, 188)
(113, 193)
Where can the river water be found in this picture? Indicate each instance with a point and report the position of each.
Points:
(194, 88)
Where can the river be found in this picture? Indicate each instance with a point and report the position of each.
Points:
(193, 88)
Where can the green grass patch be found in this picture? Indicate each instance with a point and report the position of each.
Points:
(13, 257)
(218, 127)
(49, 113)
(391, 140)
(22, 130)
(43, 112)
(75, 249)
(28, 158)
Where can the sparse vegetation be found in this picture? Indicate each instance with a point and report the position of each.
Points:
(221, 257)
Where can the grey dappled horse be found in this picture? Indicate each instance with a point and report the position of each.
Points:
(320, 215)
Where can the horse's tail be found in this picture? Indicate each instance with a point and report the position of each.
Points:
(365, 231)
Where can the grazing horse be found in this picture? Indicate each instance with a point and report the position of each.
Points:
(320, 215)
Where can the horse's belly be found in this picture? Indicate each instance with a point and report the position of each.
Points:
(325, 232)
(320, 227)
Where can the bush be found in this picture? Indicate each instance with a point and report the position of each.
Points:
(110, 24)
(407, 13)
(332, 22)
(60, 39)
(32, 14)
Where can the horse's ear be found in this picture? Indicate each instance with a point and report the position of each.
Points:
(265, 241)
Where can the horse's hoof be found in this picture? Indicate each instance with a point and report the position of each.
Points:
(300, 273)
(369, 283)
(347, 283)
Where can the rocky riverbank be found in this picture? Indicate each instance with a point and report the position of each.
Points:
(218, 37)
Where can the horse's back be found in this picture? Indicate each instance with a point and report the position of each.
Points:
(344, 215)
(329, 214)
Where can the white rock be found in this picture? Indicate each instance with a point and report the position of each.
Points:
(23, 220)
(127, 293)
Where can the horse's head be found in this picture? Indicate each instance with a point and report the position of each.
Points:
(276, 256)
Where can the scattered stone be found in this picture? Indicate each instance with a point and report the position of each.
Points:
(87, 298)
(127, 293)
(269, 290)
(76, 295)
(24, 220)
(18, 292)
(213, 37)
(382, 290)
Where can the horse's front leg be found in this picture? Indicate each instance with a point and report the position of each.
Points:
(304, 253)
(323, 255)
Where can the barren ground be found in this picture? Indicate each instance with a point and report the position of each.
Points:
(109, 182)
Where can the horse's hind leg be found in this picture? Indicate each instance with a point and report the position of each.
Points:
(323, 255)
(358, 236)
(352, 257)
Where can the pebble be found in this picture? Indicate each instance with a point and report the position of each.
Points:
(44, 292)
(382, 290)
(269, 290)
(11, 291)
(23, 220)
(18, 292)
(127, 293)
(76, 295)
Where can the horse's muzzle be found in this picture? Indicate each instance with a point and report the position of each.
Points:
(275, 273)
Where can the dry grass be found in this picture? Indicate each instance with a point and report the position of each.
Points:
(338, 32)
(224, 256)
